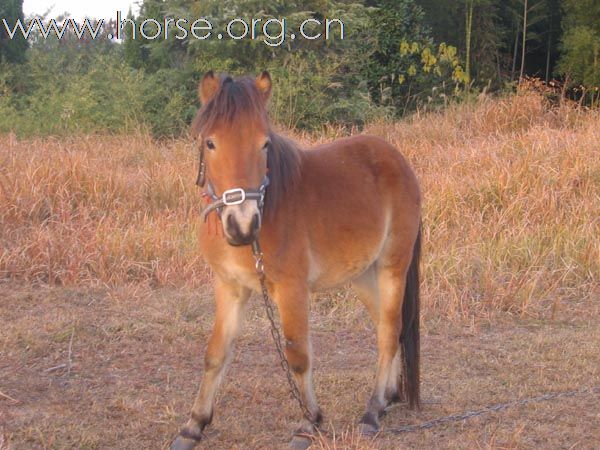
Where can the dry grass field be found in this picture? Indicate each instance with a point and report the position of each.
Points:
(105, 303)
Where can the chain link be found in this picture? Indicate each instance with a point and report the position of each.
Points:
(268, 304)
(490, 409)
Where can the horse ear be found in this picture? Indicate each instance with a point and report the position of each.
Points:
(264, 84)
(208, 87)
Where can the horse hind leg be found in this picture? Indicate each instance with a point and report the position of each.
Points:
(391, 282)
(398, 324)
(367, 290)
(394, 392)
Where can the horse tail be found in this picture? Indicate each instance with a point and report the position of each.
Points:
(409, 338)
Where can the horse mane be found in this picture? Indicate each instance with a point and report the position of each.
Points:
(235, 98)
(284, 161)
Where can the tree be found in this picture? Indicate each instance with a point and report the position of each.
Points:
(477, 28)
(470, 5)
(580, 60)
(393, 21)
(11, 50)
(524, 45)
(133, 51)
(530, 23)
(553, 28)
(533, 13)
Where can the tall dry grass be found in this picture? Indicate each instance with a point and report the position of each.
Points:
(512, 205)
(99, 209)
(511, 221)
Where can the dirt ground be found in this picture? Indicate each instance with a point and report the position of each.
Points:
(118, 369)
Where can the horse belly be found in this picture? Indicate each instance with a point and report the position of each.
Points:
(341, 259)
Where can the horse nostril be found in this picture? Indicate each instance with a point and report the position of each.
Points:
(232, 226)
(241, 234)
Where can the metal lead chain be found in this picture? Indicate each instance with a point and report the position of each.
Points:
(490, 409)
(268, 304)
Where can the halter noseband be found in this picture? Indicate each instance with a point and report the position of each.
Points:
(234, 196)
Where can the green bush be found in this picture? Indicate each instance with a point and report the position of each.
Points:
(72, 86)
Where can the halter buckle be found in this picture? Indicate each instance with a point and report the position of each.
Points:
(234, 197)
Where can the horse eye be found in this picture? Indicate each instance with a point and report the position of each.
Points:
(267, 143)
(210, 144)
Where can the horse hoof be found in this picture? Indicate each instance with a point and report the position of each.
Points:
(181, 443)
(368, 430)
(368, 425)
(300, 442)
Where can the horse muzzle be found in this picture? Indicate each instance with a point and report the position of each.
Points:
(241, 223)
(240, 211)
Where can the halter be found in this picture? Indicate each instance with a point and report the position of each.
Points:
(234, 196)
(230, 197)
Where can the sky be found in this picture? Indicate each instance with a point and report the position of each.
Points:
(78, 9)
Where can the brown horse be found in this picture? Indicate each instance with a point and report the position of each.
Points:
(345, 211)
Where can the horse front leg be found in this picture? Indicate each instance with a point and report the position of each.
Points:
(230, 301)
(293, 303)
